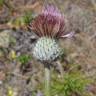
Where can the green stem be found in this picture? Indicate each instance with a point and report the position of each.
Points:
(47, 81)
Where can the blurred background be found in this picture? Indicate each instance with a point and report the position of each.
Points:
(21, 75)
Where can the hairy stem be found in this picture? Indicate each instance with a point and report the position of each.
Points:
(47, 81)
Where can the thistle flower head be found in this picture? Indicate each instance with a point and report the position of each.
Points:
(48, 26)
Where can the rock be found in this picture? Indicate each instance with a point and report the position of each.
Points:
(4, 38)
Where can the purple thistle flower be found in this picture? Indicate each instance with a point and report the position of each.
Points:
(50, 23)
(48, 26)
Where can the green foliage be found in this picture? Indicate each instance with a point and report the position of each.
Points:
(21, 21)
(23, 59)
(27, 17)
(73, 83)
(33, 94)
(1, 3)
(17, 22)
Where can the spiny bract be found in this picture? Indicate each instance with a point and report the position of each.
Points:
(46, 49)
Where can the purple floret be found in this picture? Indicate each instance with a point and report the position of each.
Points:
(49, 23)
